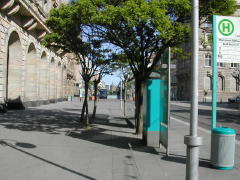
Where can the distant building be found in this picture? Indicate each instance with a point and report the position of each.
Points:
(107, 87)
(228, 73)
(31, 74)
(113, 89)
(102, 85)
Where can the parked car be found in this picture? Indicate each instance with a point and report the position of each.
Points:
(234, 99)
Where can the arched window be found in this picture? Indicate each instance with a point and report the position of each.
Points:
(221, 83)
(235, 84)
(208, 83)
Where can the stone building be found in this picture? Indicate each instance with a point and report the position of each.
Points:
(31, 74)
(228, 73)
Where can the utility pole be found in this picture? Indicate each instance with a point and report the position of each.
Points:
(121, 87)
(121, 94)
(125, 97)
(192, 140)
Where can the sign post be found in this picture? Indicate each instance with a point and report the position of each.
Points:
(226, 49)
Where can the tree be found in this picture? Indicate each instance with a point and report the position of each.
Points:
(120, 63)
(141, 29)
(144, 29)
(75, 35)
(104, 67)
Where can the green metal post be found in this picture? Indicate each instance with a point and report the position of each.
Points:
(214, 75)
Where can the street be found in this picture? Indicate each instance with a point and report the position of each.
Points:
(226, 117)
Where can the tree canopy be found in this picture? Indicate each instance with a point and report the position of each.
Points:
(141, 29)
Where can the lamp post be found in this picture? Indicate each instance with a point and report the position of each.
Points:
(192, 140)
(121, 94)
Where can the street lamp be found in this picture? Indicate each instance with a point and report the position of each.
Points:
(121, 93)
(192, 140)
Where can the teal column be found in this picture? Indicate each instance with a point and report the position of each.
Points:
(153, 105)
(214, 76)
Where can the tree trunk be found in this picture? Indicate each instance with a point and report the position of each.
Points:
(138, 105)
(95, 100)
(124, 101)
(86, 118)
(83, 110)
(84, 115)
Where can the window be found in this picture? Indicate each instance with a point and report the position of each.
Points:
(234, 84)
(208, 83)
(237, 84)
(220, 64)
(221, 83)
(208, 60)
(234, 65)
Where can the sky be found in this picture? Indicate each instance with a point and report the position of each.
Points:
(109, 79)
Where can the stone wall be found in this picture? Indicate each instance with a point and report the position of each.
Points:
(30, 73)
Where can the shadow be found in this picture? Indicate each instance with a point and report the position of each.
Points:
(182, 159)
(46, 161)
(41, 120)
(3, 108)
(102, 119)
(98, 136)
(16, 104)
(68, 109)
(61, 122)
(129, 123)
(19, 144)
(25, 145)
(114, 130)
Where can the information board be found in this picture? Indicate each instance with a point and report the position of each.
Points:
(227, 39)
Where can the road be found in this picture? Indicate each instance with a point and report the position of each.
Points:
(225, 117)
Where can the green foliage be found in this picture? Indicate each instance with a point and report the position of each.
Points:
(141, 29)
(72, 31)
(220, 7)
(179, 54)
(144, 29)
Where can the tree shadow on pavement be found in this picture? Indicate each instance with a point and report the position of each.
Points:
(70, 109)
(60, 122)
(100, 137)
(49, 121)
(117, 137)
(102, 119)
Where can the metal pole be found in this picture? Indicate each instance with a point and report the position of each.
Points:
(169, 94)
(169, 86)
(193, 141)
(214, 77)
(125, 98)
(121, 94)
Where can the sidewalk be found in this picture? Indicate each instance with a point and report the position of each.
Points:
(46, 143)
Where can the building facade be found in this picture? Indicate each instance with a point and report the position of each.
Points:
(31, 74)
(228, 73)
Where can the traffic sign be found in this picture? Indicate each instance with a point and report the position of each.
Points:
(227, 39)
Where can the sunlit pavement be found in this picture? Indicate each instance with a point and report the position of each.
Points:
(48, 143)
